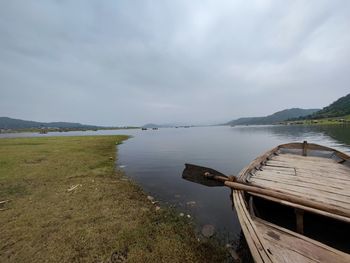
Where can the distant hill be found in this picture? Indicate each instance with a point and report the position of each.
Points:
(339, 108)
(9, 123)
(273, 118)
(168, 125)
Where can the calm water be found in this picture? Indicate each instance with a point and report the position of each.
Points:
(155, 159)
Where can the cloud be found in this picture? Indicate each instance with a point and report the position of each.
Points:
(132, 62)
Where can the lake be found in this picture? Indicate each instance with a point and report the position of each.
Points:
(155, 159)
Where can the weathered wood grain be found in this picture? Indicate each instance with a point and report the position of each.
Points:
(288, 246)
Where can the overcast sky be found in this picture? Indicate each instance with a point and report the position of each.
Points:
(135, 62)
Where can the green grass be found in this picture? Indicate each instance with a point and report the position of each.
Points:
(325, 121)
(44, 222)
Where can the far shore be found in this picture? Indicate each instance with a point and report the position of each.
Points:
(345, 120)
(46, 130)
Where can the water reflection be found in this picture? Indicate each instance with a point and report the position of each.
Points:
(335, 135)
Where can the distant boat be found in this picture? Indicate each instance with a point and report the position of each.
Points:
(144, 129)
(293, 203)
(155, 128)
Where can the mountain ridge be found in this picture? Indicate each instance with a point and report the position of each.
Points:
(11, 123)
(276, 117)
(338, 108)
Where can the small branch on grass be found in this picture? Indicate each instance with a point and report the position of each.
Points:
(73, 187)
(4, 202)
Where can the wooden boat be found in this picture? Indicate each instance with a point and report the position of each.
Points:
(315, 173)
(293, 204)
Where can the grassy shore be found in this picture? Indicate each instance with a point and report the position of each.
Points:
(326, 121)
(68, 204)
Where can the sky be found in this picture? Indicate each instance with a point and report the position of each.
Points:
(196, 62)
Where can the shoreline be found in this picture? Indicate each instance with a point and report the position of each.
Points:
(68, 203)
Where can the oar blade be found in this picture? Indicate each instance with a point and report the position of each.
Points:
(197, 174)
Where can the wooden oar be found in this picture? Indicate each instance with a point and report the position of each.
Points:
(210, 177)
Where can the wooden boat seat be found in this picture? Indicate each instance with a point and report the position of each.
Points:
(288, 246)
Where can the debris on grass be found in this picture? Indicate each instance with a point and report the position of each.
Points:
(74, 187)
(4, 202)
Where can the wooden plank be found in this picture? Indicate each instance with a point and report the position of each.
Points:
(312, 146)
(290, 196)
(305, 161)
(306, 158)
(339, 173)
(312, 184)
(305, 173)
(310, 159)
(255, 163)
(256, 244)
(304, 182)
(324, 166)
(286, 255)
(291, 241)
(250, 241)
(312, 180)
(305, 191)
(307, 177)
(302, 193)
(315, 196)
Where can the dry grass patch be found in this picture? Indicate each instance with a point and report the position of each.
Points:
(68, 204)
